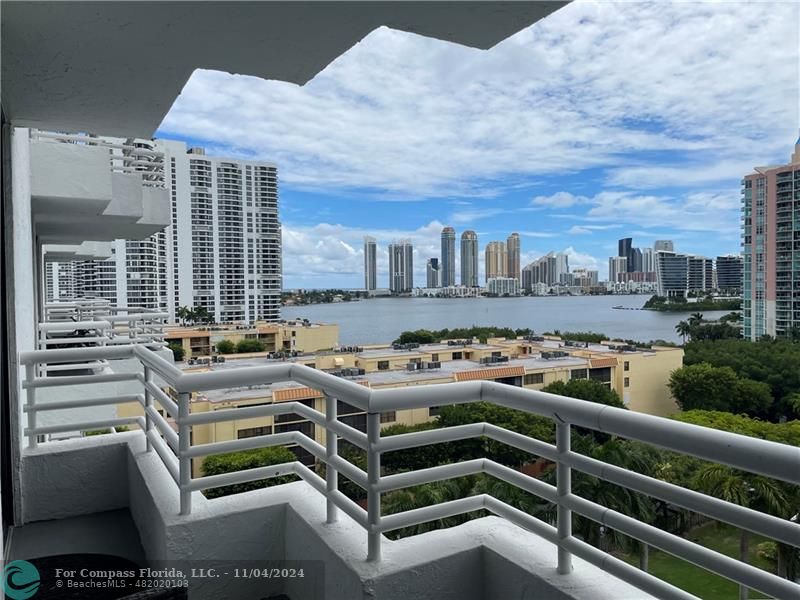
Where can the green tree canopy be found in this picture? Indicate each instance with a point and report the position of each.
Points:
(774, 362)
(705, 387)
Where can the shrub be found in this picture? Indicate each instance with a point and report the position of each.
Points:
(249, 346)
(226, 347)
(177, 351)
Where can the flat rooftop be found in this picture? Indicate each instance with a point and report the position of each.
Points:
(385, 378)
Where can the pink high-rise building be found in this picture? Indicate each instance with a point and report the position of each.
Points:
(771, 249)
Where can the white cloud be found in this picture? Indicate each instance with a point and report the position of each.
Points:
(579, 230)
(707, 211)
(592, 85)
(558, 200)
(589, 229)
(580, 260)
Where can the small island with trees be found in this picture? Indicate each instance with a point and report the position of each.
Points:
(682, 304)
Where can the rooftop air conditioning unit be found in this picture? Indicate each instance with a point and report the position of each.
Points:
(412, 366)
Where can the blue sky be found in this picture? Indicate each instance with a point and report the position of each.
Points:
(601, 121)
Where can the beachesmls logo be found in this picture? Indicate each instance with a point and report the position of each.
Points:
(20, 580)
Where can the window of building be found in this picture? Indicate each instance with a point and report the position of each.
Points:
(578, 374)
(305, 427)
(343, 408)
(600, 374)
(253, 432)
(457, 355)
(389, 417)
(627, 382)
(626, 365)
(434, 357)
(533, 378)
(383, 365)
(434, 410)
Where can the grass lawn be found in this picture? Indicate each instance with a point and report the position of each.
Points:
(723, 539)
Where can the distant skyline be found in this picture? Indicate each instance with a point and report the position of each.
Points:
(600, 122)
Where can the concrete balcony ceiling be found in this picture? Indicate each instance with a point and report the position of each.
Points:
(118, 66)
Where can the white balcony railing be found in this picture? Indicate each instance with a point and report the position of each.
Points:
(125, 156)
(176, 451)
(95, 322)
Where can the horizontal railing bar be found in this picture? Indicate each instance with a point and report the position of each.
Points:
(521, 442)
(167, 457)
(78, 380)
(251, 412)
(730, 568)
(353, 510)
(747, 453)
(416, 439)
(75, 340)
(47, 406)
(351, 434)
(61, 355)
(163, 398)
(261, 441)
(99, 364)
(521, 519)
(750, 454)
(49, 326)
(431, 513)
(163, 427)
(741, 517)
(628, 573)
(136, 317)
(85, 425)
(349, 470)
(238, 477)
(525, 482)
(398, 481)
(757, 522)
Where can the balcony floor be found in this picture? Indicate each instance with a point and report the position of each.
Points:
(113, 533)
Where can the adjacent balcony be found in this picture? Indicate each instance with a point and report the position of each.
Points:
(142, 483)
(89, 188)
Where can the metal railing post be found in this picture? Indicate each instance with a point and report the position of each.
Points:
(563, 489)
(184, 462)
(148, 403)
(373, 479)
(30, 400)
(331, 449)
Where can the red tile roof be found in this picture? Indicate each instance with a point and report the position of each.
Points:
(493, 373)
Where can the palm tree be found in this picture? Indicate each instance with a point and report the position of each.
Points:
(741, 488)
(620, 453)
(201, 314)
(182, 312)
(695, 318)
(683, 329)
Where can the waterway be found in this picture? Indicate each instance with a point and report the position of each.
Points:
(380, 320)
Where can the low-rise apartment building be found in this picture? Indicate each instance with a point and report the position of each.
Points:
(639, 375)
(300, 337)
